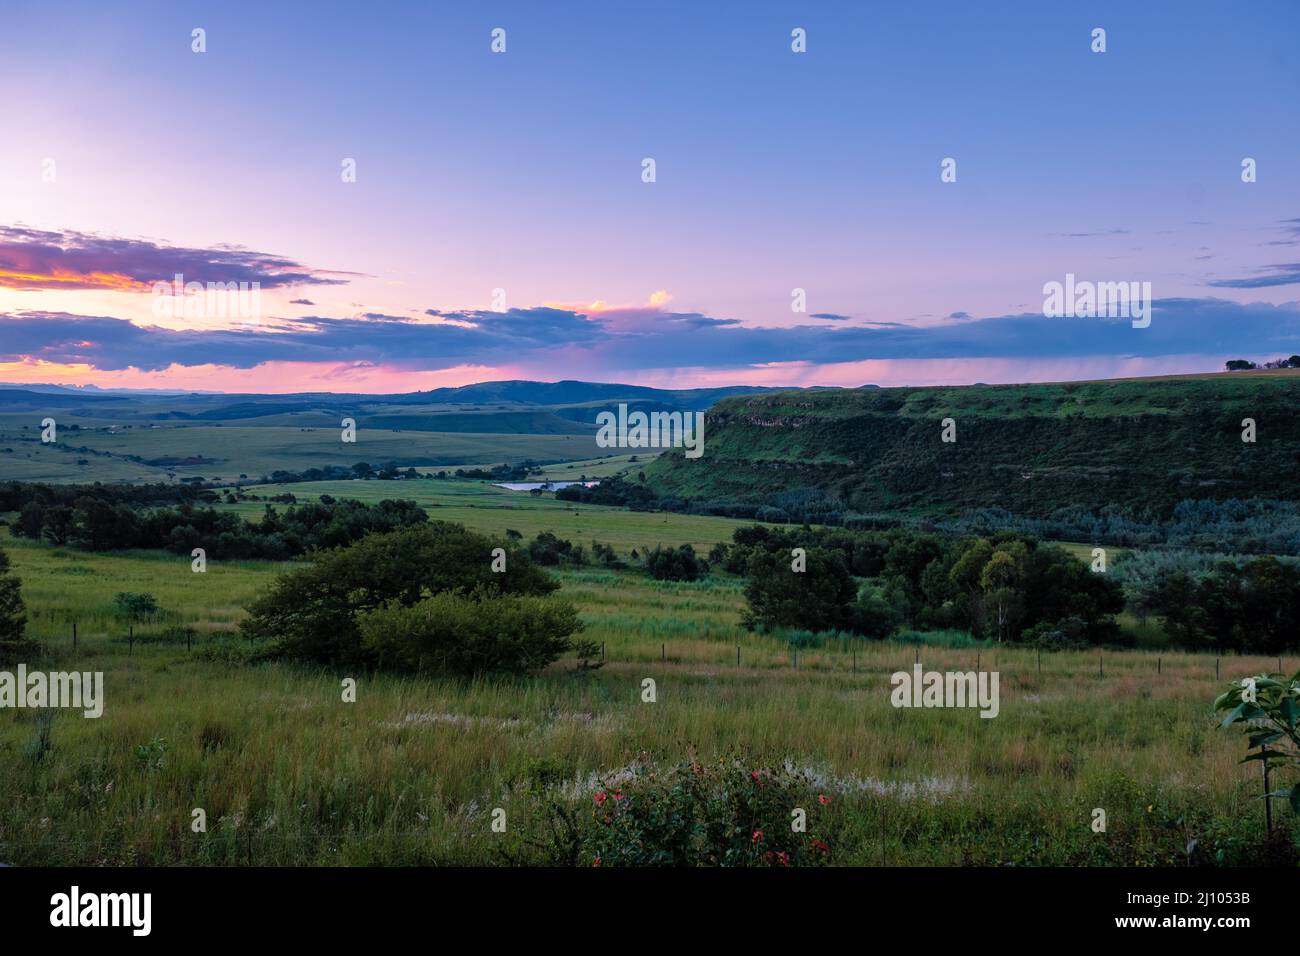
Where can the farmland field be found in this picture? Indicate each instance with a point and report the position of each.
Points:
(287, 773)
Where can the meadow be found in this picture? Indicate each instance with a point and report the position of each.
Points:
(288, 773)
(142, 452)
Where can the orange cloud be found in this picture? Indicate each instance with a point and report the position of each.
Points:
(66, 279)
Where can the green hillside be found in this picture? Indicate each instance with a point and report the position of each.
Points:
(1138, 445)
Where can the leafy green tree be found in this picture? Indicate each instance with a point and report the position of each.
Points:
(311, 613)
(135, 607)
(816, 599)
(57, 524)
(669, 564)
(30, 521)
(13, 616)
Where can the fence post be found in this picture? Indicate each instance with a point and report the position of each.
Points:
(602, 652)
(1268, 804)
(663, 653)
(74, 635)
(1157, 664)
(1101, 665)
(855, 658)
(795, 651)
(1040, 660)
(737, 655)
(1216, 668)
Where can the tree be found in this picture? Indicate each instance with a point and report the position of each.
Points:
(310, 614)
(667, 564)
(30, 521)
(816, 599)
(1239, 365)
(1000, 581)
(13, 616)
(57, 525)
(135, 607)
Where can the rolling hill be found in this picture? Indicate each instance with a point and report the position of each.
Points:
(1136, 445)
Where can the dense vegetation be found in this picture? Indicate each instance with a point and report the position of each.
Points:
(1007, 587)
(109, 519)
(424, 598)
(1073, 453)
(13, 616)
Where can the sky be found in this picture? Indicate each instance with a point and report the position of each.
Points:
(412, 209)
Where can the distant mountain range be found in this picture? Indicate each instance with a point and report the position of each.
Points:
(567, 392)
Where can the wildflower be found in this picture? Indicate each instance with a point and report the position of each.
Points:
(597, 862)
(618, 797)
(823, 799)
(758, 835)
(600, 798)
(784, 858)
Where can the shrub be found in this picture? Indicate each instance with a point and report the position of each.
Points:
(310, 613)
(667, 564)
(135, 607)
(470, 634)
(1268, 709)
(694, 815)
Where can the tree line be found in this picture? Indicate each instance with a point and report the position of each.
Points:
(112, 519)
(1006, 587)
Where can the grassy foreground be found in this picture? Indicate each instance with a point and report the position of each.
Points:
(288, 773)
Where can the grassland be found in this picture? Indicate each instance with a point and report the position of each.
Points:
(287, 773)
(227, 452)
(484, 507)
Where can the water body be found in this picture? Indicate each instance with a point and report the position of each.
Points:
(544, 485)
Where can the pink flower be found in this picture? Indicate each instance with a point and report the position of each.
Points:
(618, 797)
(823, 799)
(758, 835)
(600, 798)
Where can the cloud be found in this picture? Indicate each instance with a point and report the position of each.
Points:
(558, 341)
(301, 302)
(831, 315)
(1284, 274)
(32, 259)
(1088, 235)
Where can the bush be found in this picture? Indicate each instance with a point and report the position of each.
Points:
(695, 815)
(467, 635)
(1069, 634)
(135, 607)
(666, 564)
(310, 613)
